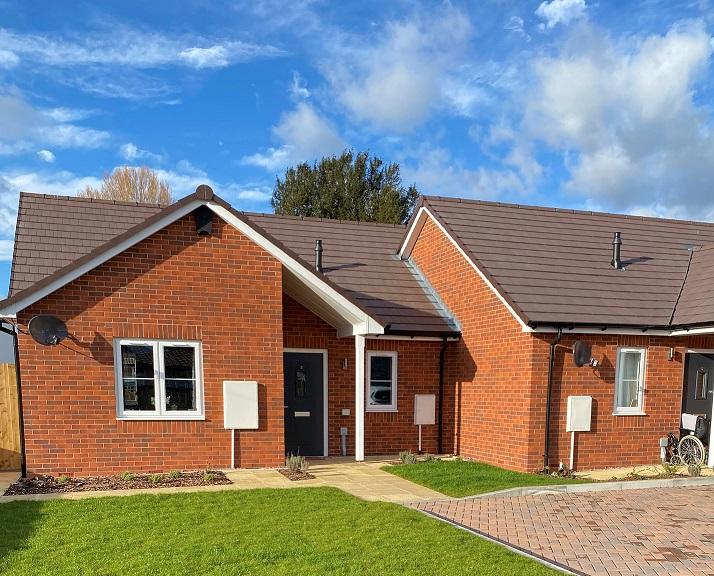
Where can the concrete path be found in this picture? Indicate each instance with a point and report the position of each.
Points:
(7, 478)
(612, 533)
(362, 479)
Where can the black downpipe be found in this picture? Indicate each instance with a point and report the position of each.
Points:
(551, 363)
(440, 432)
(23, 461)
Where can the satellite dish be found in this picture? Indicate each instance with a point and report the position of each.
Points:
(47, 330)
(582, 353)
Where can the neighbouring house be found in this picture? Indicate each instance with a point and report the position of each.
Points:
(475, 303)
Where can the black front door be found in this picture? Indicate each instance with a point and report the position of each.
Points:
(304, 408)
(699, 384)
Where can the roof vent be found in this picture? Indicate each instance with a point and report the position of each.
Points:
(616, 246)
(318, 255)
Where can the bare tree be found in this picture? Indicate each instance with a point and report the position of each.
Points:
(131, 184)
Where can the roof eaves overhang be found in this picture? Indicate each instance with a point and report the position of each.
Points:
(624, 330)
(410, 238)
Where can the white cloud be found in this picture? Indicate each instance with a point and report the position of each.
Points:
(560, 12)
(437, 173)
(132, 48)
(21, 125)
(392, 79)
(304, 136)
(132, 152)
(298, 90)
(625, 117)
(8, 59)
(46, 156)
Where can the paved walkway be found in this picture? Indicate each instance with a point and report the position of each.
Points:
(365, 480)
(616, 533)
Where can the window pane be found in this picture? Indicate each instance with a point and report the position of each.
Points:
(180, 373)
(139, 394)
(380, 393)
(700, 391)
(628, 385)
(137, 361)
(627, 394)
(630, 365)
(137, 364)
(180, 395)
(380, 368)
(179, 362)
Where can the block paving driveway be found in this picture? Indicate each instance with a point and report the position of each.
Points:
(613, 533)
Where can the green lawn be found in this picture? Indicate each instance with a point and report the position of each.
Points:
(305, 532)
(465, 478)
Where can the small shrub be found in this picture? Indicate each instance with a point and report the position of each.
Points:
(296, 463)
(208, 476)
(429, 458)
(407, 457)
(670, 468)
(695, 470)
(127, 477)
(63, 479)
(155, 478)
(175, 474)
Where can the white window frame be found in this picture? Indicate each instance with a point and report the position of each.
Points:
(626, 410)
(382, 407)
(161, 413)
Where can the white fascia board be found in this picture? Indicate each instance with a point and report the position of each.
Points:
(12, 309)
(693, 331)
(411, 239)
(595, 330)
(361, 322)
(413, 338)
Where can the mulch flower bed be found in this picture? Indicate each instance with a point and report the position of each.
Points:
(295, 474)
(126, 481)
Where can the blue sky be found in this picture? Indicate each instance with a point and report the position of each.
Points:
(603, 105)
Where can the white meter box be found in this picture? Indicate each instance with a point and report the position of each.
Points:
(580, 410)
(240, 404)
(424, 409)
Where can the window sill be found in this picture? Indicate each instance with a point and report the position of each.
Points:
(640, 413)
(164, 418)
(377, 411)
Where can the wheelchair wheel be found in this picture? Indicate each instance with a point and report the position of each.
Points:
(691, 451)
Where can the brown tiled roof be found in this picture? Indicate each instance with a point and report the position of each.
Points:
(53, 232)
(553, 265)
(361, 258)
(696, 304)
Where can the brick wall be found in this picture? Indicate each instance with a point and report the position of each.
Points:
(494, 413)
(222, 290)
(619, 440)
(418, 373)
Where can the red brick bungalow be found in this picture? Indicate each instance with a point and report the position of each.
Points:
(475, 303)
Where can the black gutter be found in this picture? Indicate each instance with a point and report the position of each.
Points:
(440, 432)
(13, 333)
(551, 362)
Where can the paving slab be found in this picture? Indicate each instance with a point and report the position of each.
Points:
(624, 533)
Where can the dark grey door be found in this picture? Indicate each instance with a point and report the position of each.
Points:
(699, 384)
(304, 408)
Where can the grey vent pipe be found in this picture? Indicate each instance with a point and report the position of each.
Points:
(318, 255)
(616, 246)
